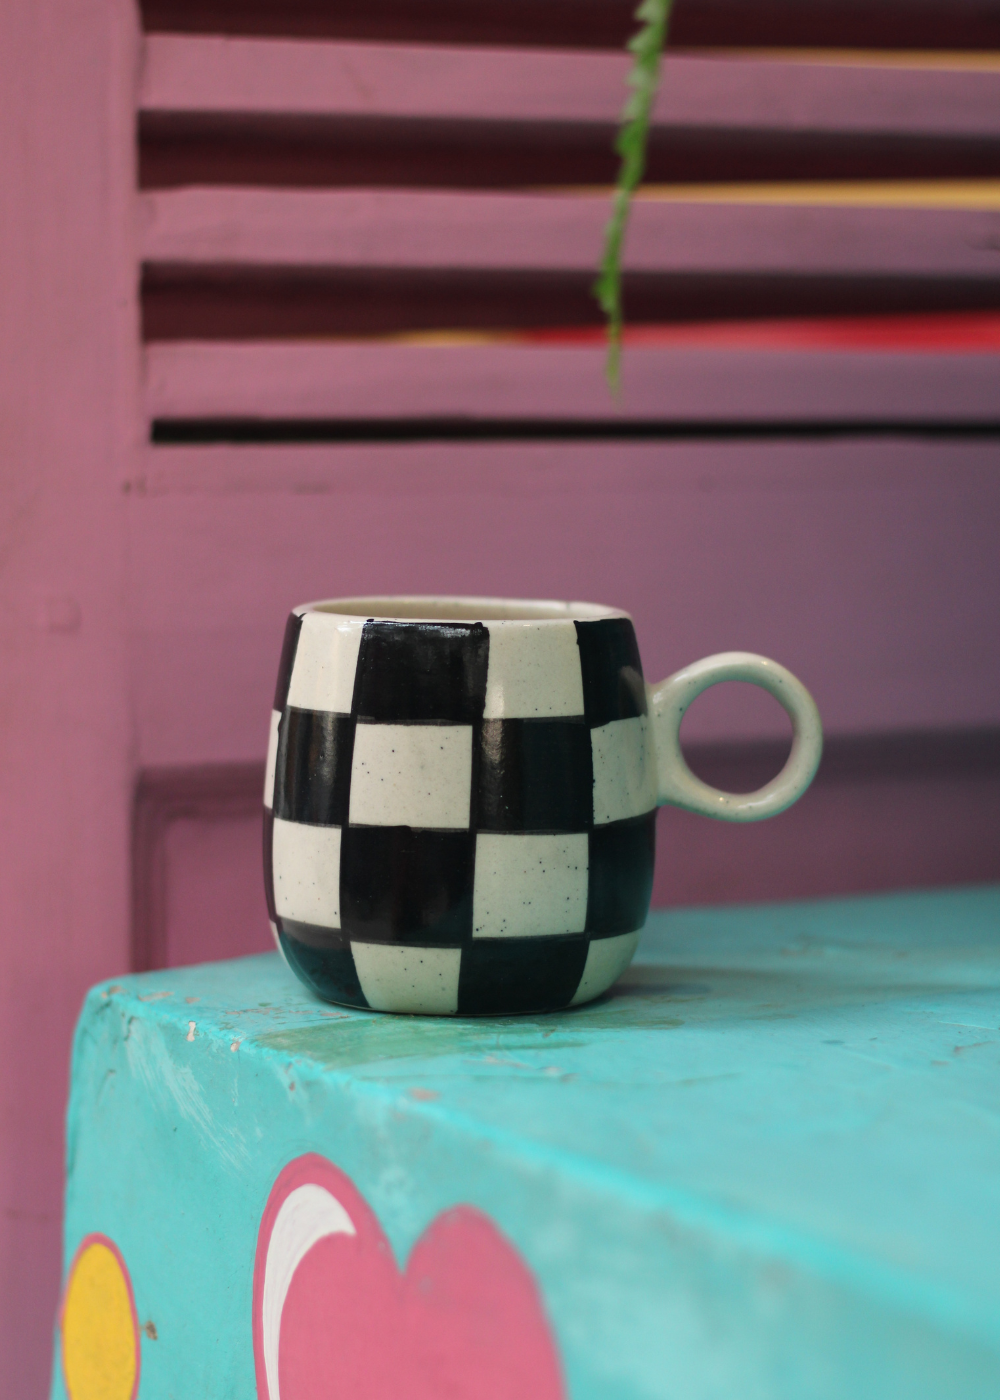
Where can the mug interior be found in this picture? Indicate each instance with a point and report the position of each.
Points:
(436, 609)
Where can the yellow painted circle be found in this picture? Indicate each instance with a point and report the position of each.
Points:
(100, 1340)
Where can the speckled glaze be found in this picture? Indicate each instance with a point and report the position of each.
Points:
(460, 797)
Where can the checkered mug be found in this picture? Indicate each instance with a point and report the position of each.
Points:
(461, 794)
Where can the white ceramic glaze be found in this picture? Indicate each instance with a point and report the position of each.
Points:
(679, 787)
(461, 794)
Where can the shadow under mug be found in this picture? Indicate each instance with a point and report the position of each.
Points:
(461, 795)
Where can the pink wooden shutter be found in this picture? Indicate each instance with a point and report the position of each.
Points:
(372, 362)
(362, 356)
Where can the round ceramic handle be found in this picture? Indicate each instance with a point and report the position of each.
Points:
(679, 786)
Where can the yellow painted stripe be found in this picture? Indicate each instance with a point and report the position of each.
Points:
(858, 194)
(955, 60)
(445, 338)
(967, 331)
(963, 332)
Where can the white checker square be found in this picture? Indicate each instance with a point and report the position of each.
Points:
(534, 671)
(412, 775)
(326, 660)
(272, 758)
(607, 959)
(528, 886)
(394, 977)
(624, 770)
(306, 867)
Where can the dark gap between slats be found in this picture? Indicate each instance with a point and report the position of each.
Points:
(890, 24)
(414, 153)
(220, 304)
(249, 431)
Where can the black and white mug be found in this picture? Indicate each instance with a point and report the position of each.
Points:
(461, 794)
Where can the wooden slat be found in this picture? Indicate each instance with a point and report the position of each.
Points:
(303, 381)
(215, 76)
(219, 77)
(251, 228)
(885, 811)
(867, 566)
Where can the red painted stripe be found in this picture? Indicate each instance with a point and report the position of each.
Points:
(959, 333)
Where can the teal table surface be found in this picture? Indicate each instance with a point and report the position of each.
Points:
(766, 1164)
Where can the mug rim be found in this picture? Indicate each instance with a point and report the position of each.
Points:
(458, 608)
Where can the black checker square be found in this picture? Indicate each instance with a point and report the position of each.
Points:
(289, 647)
(620, 879)
(613, 687)
(312, 776)
(329, 970)
(501, 976)
(315, 936)
(410, 672)
(534, 775)
(400, 885)
(269, 864)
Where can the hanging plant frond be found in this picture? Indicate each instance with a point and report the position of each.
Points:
(647, 49)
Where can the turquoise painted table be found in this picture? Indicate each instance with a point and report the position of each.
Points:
(767, 1165)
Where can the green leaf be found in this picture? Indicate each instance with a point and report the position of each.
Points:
(646, 46)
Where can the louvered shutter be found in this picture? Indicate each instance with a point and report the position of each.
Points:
(367, 237)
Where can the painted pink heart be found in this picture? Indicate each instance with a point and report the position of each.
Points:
(333, 1315)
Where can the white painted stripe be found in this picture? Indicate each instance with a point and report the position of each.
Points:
(308, 1215)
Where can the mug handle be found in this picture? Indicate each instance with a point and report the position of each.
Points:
(678, 785)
